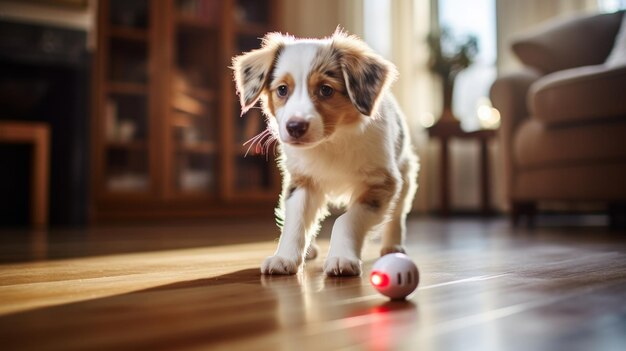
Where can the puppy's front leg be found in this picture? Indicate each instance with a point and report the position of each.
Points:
(303, 208)
(344, 257)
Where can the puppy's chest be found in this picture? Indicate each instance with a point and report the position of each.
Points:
(336, 172)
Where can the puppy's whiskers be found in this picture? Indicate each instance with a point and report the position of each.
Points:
(267, 144)
(255, 140)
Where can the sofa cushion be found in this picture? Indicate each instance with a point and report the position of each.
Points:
(567, 43)
(539, 146)
(578, 94)
(617, 57)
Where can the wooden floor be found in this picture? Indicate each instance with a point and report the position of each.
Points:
(483, 287)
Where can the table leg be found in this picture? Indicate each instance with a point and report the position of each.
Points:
(485, 195)
(445, 171)
(40, 163)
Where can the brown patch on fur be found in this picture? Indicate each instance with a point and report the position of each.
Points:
(326, 62)
(366, 74)
(273, 101)
(252, 70)
(298, 182)
(378, 196)
(336, 109)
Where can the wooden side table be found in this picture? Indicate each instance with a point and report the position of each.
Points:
(446, 130)
(37, 134)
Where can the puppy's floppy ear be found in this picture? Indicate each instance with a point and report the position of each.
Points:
(366, 74)
(252, 70)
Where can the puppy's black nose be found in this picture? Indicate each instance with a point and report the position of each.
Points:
(297, 128)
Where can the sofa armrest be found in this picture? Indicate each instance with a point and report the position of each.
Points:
(569, 42)
(579, 94)
(509, 95)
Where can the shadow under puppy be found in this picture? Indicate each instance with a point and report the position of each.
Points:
(342, 140)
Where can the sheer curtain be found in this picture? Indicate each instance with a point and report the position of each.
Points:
(410, 25)
(397, 29)
(310, 19)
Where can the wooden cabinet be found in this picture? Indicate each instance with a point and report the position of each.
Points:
(167, 132)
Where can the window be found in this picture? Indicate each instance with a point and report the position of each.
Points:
(478, 18)
(377, 31)
(611, 5)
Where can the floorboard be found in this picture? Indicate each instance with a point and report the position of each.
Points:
(483, 286)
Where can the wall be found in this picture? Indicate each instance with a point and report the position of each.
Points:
(319, 18)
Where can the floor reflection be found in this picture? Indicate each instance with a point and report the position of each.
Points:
(310, 304)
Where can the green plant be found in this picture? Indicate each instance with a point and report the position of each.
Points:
(449, 55)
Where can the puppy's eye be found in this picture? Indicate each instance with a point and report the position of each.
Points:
(282, 90)
(326, 90)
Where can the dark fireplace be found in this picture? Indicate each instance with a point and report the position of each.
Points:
(44, 76)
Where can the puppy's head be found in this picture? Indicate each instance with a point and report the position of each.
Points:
(312, 87)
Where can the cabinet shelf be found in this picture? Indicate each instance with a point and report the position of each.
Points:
(252, 29)
(127, 88)
(128, 33)
(206, 95)
(190, 21)
(133, 145)
(203, 147)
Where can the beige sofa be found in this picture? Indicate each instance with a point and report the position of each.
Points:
(563, 132)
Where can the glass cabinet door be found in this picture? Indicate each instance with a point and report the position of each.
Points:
(255, 171)
(126, 97)
(194, 109)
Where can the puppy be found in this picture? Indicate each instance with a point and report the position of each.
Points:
(342, 140)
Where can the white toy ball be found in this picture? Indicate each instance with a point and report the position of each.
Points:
(395, 275)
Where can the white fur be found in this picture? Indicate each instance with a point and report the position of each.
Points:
(296, 60)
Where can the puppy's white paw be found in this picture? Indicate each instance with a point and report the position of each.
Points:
(279, 265)
(342, 266)
(392, 249)
(312, 252)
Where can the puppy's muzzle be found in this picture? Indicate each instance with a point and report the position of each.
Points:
(297, 128)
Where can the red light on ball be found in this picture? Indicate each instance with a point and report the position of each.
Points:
(379, 279)
(395, 275)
